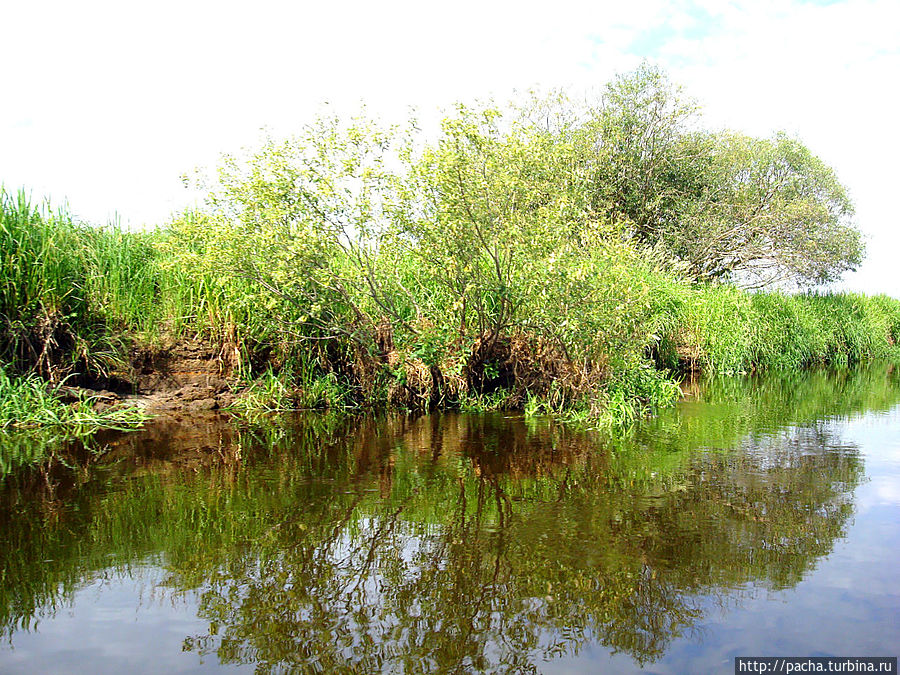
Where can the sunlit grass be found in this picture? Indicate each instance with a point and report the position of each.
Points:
(730, 331)
(30, 403)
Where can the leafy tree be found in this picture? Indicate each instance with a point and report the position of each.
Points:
(301, 220)
(772, 211)
(499, 220)
(487, 202)
(642, 159)
(733, 207)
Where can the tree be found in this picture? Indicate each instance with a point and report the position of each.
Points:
(771, 211)
(732, 207)
(299, 222)
(489, 202)
(500, 222)
(640, 157)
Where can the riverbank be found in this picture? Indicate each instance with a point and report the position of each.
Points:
(114, 320)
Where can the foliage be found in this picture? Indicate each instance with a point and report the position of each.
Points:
(770, 211)
(722, 329)
(457, 257)
(288, 389)
(642, 153)
(27, 402)
(67, 290)
(297, 219)
(489, 210)
(732, 207)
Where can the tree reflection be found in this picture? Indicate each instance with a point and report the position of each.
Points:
(498, 583)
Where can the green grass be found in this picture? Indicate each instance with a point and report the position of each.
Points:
(730, 331)
(68, 290)
(30, 403)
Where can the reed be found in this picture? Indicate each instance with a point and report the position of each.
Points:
(725, 330)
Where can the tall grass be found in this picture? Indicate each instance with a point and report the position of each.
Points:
(726, 330)
(40, 272)
(67, 289)
(122, 277)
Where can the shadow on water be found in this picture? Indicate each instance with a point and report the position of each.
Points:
(448, 541)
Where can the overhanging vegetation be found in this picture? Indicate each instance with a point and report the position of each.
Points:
(547, 256)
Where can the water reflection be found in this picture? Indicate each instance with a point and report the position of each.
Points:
(481, 543)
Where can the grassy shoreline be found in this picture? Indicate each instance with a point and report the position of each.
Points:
(552, 254)
(74, 298)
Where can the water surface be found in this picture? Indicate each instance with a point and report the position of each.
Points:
(759, 517)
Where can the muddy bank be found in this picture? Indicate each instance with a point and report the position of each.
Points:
(164, 380)
(180, 377)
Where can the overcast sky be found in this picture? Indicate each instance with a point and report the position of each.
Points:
(108, 104)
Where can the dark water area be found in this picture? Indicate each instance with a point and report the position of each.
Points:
(760, 517)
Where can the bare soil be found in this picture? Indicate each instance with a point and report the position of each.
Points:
(179, 377)
(165, 380)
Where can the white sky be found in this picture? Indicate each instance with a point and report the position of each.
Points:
(108, 104)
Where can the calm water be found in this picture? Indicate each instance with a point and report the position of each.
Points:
(760, 517)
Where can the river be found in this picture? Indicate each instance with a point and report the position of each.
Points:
(759, 517)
